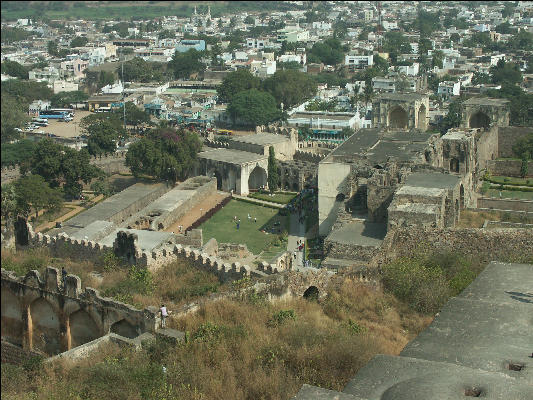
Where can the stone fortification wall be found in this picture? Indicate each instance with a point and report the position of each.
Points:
(41, 313)
(217, 144)
(508, 136)
(505, 204)
(205, 188)
(345, 251)
(301, 155)
(480, 244)
(508, 167)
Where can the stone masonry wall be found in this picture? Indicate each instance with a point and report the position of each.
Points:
(508, 167)
(507, 137)
(480, 244)
(505, 204)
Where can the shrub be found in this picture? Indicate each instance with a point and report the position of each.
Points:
(110, 261)
(424, 288)
(354, 328)
(281, 317)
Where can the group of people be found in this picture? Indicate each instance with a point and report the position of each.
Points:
(238, 221)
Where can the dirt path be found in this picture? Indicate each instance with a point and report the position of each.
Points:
(196, 212)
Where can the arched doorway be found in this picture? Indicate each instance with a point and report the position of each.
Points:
(12, 325)
(124, 328)
(218, 175)
(462, 196)
(422, 121)
(454, 165)
(258, 178)
(479, 120)
(83, 329)
(398, 118)
(45, 327)
(311, 293)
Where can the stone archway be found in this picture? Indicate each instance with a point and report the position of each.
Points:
(124, 328)
(12, 324)
(454, 165)
(258, 178)
(311, 293)
(422, 117)
(457, 210)
(398, 118)
(83, 329)
(479, 120)
(44, 327)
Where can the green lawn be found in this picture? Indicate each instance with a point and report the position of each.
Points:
(222, 227)
(507, 180)
(509, 194)
(280, 198)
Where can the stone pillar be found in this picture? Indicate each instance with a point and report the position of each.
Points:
(27, 338)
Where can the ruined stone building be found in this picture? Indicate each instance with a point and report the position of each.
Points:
(398, 175)
(241, 163)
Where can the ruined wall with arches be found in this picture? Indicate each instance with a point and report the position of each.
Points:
(395, 111)
(41, 314)
(484, 112)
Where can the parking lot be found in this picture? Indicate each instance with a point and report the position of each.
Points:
(64, 129)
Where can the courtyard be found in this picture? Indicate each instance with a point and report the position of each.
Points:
(256, 235)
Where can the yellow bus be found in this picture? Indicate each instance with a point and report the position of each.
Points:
(224, 132)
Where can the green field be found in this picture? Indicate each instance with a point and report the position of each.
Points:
(221, 226)
(509, 194)
(281, 198)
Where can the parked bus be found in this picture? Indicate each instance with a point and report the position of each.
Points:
(103, 109)
(68, 110)
(224, 132)
(54, 114)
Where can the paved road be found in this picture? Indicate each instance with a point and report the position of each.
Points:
(297, 232)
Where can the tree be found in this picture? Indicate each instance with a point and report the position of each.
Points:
(101, 186)
(253, 108)
(290, 87)
(9, 202)
(103, 138)
(505, 72)
(329, 52)
(52, 48)
(66, 99)
(134, 115)
(33, 192)
(236, 82)
(139, 70)
(187, 63)
(437, 59)
(273, 172)
(79, 41)
(58, 164)
(167, 154)
(166, 34)
(453, 118)
(249, 20)
(17, 153)
(13, 117)
(504, 28)
(13, 68)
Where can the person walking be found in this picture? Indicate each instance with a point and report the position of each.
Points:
(164, 315)
(238, 224)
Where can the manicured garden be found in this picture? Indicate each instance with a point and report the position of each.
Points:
(223, 227)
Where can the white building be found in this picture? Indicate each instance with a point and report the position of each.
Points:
(449, 88)
(388, 25)
(115, 88)
(292, 34)
(263, 68)
(64, 86)
(358, 62)
(410, 70)
(252, 43)
(299, 58)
